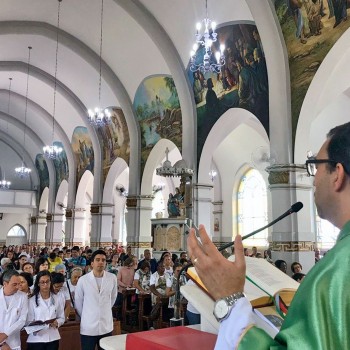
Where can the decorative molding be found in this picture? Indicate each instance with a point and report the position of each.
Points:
(131, 202)
(293, 246)
(95, 208)
(142, 245)
(278, 177)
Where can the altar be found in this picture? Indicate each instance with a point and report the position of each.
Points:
(169, 234)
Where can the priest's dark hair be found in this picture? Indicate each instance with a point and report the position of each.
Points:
(339, 147)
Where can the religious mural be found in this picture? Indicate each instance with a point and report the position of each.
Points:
(242, 82)
(310, 29)
(115, 140)
(61, 166)
(83, 151)
(43, 172)
(158, 111)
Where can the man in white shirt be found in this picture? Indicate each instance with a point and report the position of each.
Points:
(95, 295)
(13, 311)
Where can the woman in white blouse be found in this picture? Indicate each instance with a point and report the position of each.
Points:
(44, 306)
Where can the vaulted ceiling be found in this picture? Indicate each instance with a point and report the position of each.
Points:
(140, 38)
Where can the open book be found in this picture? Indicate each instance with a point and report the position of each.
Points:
(265, 318)
(263, 282)
(37, 326)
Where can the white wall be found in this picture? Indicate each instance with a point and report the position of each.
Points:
(9, 220)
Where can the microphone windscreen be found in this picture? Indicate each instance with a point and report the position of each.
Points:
(296, 207)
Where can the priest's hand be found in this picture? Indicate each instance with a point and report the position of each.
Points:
(220, 276)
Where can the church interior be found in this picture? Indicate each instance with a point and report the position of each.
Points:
(145, 139)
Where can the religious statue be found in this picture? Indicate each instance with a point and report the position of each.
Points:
(174, 203)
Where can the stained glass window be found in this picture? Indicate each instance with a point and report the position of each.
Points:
(252, 208)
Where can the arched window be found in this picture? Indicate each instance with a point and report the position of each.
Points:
(252, 208)
(326, 234)
(158, 204)
(16, 231)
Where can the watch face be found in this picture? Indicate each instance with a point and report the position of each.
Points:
(221, 309)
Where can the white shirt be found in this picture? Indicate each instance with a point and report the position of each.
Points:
(13, 317)
(231, 329)
(46, 310)
(94, 306)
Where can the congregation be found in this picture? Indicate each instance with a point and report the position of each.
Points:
(51, 277)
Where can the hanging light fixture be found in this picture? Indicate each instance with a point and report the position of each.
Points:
(52, 151)
(23, 172)
(211, 62)
(5, 185)
(99, 116)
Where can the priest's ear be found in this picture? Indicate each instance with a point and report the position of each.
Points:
(341, 178)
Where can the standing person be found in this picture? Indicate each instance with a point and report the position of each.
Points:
(76, 260)
(95, 295)
(318, 316)
(45, 305)
(13, 311)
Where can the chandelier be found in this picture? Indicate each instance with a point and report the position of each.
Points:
(5, 185)
(52, 151)
(23, 172)
(99, 116)
(212, 62)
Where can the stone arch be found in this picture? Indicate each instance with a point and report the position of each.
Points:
(229, 146)
(83, 200)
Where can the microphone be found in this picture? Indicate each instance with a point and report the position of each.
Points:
(293, 209)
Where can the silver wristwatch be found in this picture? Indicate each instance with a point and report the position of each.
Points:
(223, 307)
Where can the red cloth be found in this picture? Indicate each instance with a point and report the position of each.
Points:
(173, 338)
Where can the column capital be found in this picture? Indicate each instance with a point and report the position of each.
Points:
(280, 174)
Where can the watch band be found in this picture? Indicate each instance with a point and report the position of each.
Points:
(233, 298)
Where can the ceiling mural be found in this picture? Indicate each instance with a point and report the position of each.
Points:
(115, 139)
(310, 29)
(43, 172)
(158, 112)
(83, 151)
(61, 166)
(241, 82)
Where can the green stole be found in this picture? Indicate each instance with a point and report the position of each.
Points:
(319, 315)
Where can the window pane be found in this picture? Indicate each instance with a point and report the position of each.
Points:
(326, 234)
(16, 231)
(252, 208)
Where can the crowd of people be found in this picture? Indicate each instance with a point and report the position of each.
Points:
(56, 285)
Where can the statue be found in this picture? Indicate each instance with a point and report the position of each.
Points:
(174, 203)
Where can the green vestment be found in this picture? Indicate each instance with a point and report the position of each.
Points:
(319, 315)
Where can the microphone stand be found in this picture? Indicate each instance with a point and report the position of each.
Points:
(179, 321)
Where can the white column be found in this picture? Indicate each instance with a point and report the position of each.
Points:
(293, 238)
(203, 206)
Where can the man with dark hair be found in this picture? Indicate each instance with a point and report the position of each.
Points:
(128, 253)
(318, 317)
(13, 311)
(150, 260)
(76, 260)
(95, 295)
